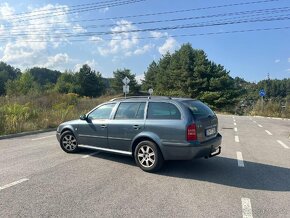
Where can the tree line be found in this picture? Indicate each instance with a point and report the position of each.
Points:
(187, 72)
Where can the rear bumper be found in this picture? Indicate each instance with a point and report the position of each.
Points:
(209, 148)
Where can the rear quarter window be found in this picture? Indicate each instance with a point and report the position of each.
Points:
(163, 111)
(198, 109)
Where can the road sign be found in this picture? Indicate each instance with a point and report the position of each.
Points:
(262, 93)
(126, 81)
(126, 89)
(150, 91)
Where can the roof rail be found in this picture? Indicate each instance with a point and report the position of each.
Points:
(149, 97)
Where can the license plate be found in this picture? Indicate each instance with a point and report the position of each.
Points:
(210, 131)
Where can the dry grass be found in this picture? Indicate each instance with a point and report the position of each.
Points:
(26, 113)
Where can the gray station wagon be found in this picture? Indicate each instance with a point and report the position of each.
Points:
(151, 129)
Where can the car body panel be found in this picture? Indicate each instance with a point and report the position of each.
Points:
(169, 134)
(121, 133)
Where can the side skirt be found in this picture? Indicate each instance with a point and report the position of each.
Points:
(106, 149)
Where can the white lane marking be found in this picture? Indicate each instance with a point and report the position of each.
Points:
(268, 132)
(45, 137)
(237, 138)
(13, 183)
(255, 121)
(247, 208)
(236, 129)
(260, 125)
(235, 124)
(281, 143)
(240, 159)
(91, 154)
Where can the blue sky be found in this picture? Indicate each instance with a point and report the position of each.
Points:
(52, 39)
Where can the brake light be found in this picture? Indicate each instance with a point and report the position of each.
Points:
(191, 132)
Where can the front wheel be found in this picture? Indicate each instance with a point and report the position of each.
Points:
(148, 156)
(68, 142)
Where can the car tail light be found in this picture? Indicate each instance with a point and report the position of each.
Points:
(191, 132)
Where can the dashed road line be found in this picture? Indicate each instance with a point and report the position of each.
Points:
(235, 124)
(283, 145)
(255, 121)
(247, 208)
(45, 137)
(268, 132)
(259, 125)
(240, 159)
(91, 154)
(235, 129)
(237, 138)
(13, 183)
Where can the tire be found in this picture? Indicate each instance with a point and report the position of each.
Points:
(68, 142)
(148, 156)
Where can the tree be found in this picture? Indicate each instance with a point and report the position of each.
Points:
(117, 83)
(24, 85)
(89, 82)
(150, 77)
(188, 72)
(7, 72)
(67, 83)
(44, 76)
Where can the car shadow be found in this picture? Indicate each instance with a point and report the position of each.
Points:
(220, 170)
(225, 171)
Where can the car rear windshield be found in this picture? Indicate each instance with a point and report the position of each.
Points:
(198, 109)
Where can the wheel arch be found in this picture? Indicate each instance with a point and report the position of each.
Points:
(67, 128)
(146, 137)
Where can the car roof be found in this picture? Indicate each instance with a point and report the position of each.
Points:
(146, 98)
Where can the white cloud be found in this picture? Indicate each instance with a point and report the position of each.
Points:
(169, 46)
(288, 59)
(57, 60)
(92, 63)
(122, 41)
(78, 29)
(143, 49)
(158, 35)
(277, 61)
(5, 11)
(29, 41)
(104, 10)
(139, 78)
(2, 29)
(96, 39)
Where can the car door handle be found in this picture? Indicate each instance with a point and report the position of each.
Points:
(137, 127)
(103, 126)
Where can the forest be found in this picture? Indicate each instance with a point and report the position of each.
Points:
(40, 98)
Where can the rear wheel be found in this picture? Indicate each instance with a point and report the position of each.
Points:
(148, 156)
(68, 142)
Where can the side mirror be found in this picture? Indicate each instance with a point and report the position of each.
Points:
(83, 117)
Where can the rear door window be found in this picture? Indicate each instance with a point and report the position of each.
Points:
(199, 109)
(130, 110)
(163, 111)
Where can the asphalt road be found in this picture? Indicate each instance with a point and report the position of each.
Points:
(251, 178)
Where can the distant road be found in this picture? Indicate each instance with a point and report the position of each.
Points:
(251, 178)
